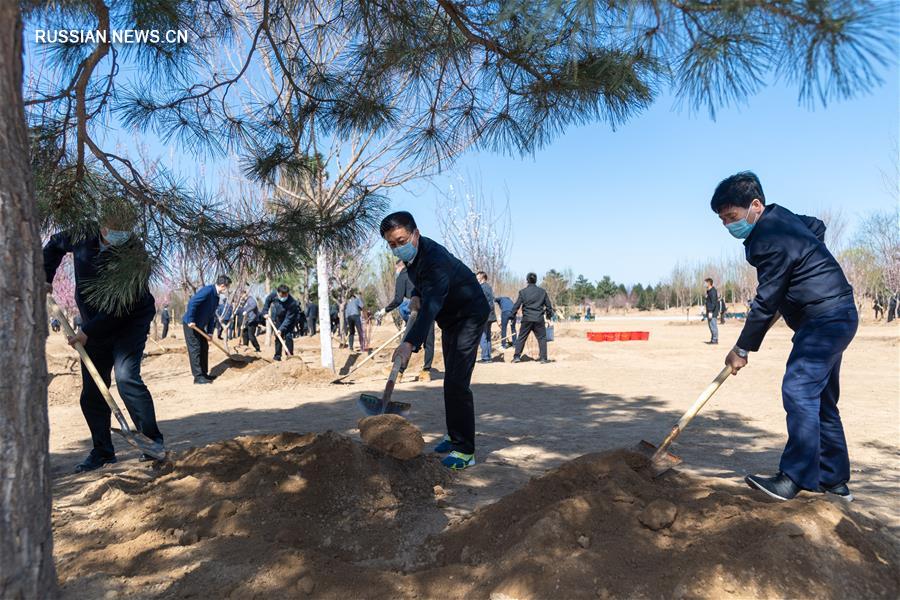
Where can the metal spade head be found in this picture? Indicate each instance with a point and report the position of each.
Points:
(660, 462)
(143, 443)
(372, 405)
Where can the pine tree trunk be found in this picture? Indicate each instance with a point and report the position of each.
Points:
(324, 309)
(26, 537)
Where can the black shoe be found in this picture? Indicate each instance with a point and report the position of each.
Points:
(276, 358)
(780, 487)
(516, 359)
(210, 377)
(841, 490)
(201, 380)
(94, 461)
(485, 361)
(545, 361)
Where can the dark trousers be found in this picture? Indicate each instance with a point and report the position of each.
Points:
(165, 330)
(248, 336)
(354, 324)
(460, 345)
(288, 340)
(816, 451)
(507, 317)
(540, 332)
(198, 352)
(312, 325)
(429, 345)
(122, 355)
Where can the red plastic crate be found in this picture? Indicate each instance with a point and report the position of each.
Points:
(618, 336)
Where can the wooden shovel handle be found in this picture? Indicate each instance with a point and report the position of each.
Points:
(392, 381)
(89, 365)
(702, 399)
(211, 340)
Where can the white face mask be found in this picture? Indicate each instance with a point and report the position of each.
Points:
(117, 238)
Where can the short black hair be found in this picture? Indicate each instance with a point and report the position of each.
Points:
(284, 289)
(531, 278)
(738, 190)
(223, 280)
(481, 274)
(708, 280)
(398, 219)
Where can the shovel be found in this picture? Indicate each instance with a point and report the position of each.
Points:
(661, 460)
(368, 358)
(373, 405)
(212, 340)
(134, 438)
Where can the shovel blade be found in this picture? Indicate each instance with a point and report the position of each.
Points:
(372, 406)
(143, 443)
(659, 462)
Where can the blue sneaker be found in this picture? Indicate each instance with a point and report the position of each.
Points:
(445, 446)
(458, 460)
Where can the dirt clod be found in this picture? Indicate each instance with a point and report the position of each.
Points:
(393, 435)
(659, 514)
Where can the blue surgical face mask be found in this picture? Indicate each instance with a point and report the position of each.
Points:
(741, 229)
(282, 299)
(407, 252)
(117, 238)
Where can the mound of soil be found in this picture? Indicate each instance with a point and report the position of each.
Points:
(64, 388)
(287, 373)
(393, 435)
(290, 516)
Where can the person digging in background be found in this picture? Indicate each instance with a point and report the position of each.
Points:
(712, 310)
(722, 310)
(403, 292)
(535, 303)
(802, 281)
(114, 341)
(284, 311)
(506, 318)
(249, 312)
(492, 318)
(445, 291)
(201, 313)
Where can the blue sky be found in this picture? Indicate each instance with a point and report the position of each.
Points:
(630, 203)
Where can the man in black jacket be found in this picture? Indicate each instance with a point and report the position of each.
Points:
(403, 292)
(166, 318)
(282, 310)
(712, 310)
(535, 304)
(446, 291)
(113, 340)
(802, 281)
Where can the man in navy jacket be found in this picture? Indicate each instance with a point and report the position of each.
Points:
(446, 292)
(282, 310)
(800, 280)
(201, 312)
(113, 340)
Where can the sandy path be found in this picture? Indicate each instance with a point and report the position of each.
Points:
(531, 417)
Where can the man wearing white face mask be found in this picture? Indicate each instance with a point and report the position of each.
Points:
(801, 280)
(114, 341)
(446, 292)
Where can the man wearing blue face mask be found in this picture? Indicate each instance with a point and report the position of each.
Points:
(114, 341)
(801, 280)
(446, 292)
(283, 311)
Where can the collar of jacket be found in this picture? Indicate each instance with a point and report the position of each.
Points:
(769, 208)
